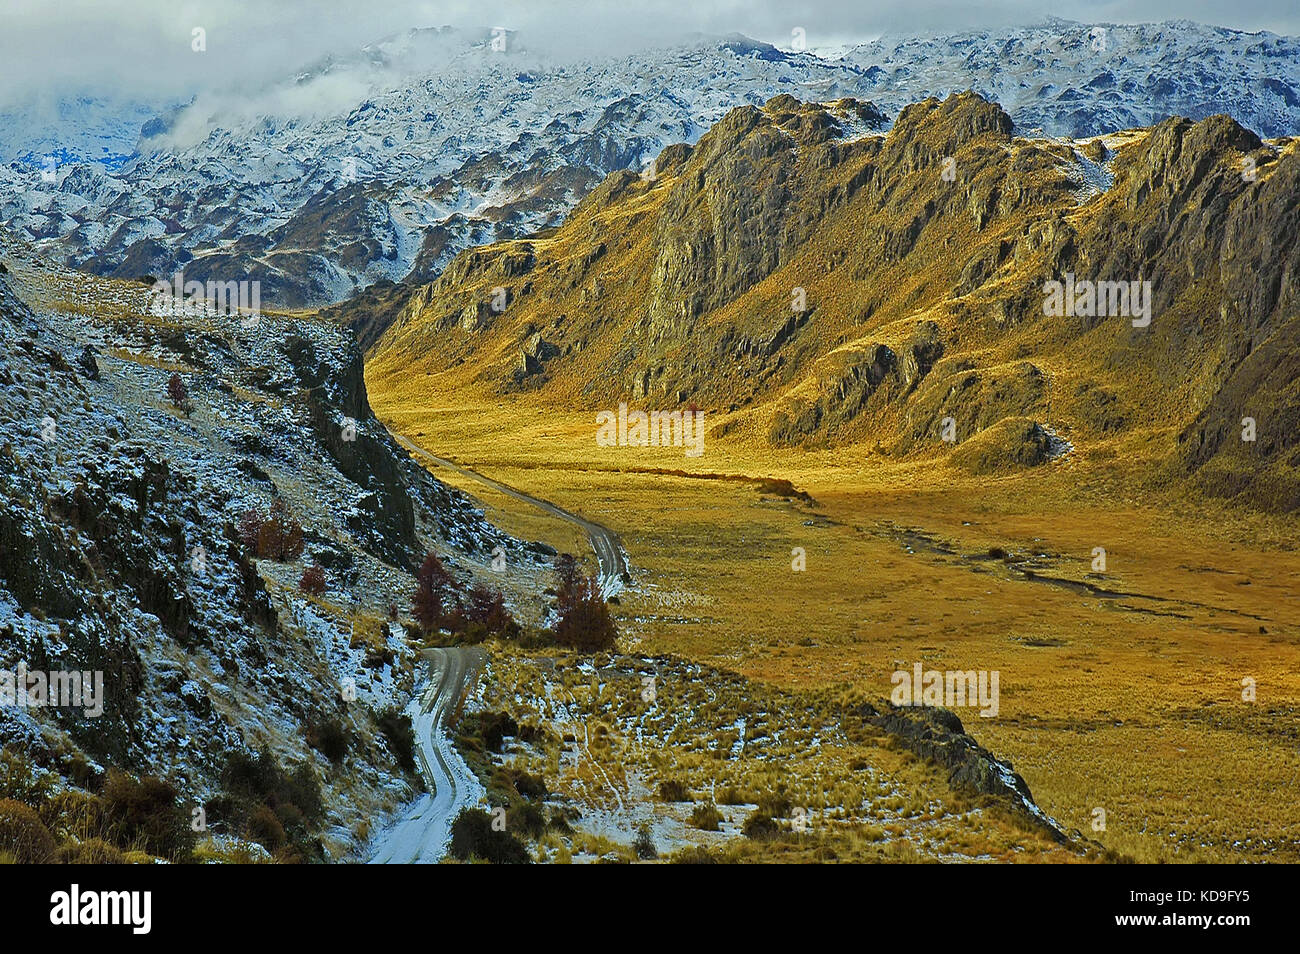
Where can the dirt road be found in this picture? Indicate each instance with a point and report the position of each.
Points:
(604, 542)
(422, 833)
(420, 836)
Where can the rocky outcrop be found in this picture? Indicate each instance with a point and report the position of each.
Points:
(884, 288)
(343, 422)
(742, 204)
(534, 353)
(937, 735)
(1208, 212)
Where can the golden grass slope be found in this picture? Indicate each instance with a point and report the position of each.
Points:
(921, 297)
(1122, 688)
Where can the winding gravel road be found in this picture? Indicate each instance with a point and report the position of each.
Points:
(604, 542)
(420, 836)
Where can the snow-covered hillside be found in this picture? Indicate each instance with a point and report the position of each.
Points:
(384, 165)
(1071, 79)
(121, 549)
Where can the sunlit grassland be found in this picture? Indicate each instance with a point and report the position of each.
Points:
(1132, 705)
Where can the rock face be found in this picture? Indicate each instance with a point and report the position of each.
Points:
(121, 550)
(86, 362)
(534, 354)
(937, 735)
(363, 451)
(830, 284)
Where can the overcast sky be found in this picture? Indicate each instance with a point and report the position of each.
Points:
(142, 48)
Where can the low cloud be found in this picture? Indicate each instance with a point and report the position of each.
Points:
(141, 50)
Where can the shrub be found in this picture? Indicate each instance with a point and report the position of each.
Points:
(302, 788)
(280, 536)
(261, 778)
(266, 829)
(472, 836)
(92, 851)
(81, 771)
(147, 812)
(179, 393)
(396, 728)
(472, 633)
(246, 774)
(377, 657)
(673, 790)
(436, 603)
(584, 623)
(73, 814)
(290, 815)
(566, 568)
(644, 843)
(777, 487)
(329, 737)
(20, 779)
(250, 524)
(312, 580)
(527, 817)
(776, 804)
(706, 817)
(491, 728)
(253, 782)
(487, 608)
(23, 835)
(731, 795)
(694, 855)
(275, 535)
(760, 826)
(530, 786)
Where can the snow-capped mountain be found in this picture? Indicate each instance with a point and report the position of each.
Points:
(1080, 80)
(386, 164)
(483, 145)
(98, 129)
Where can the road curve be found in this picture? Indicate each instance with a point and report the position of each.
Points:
(604, 542)
(420, 836)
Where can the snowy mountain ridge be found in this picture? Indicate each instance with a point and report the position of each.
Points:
(382, 166)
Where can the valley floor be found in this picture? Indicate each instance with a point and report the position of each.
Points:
(1151, 705)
